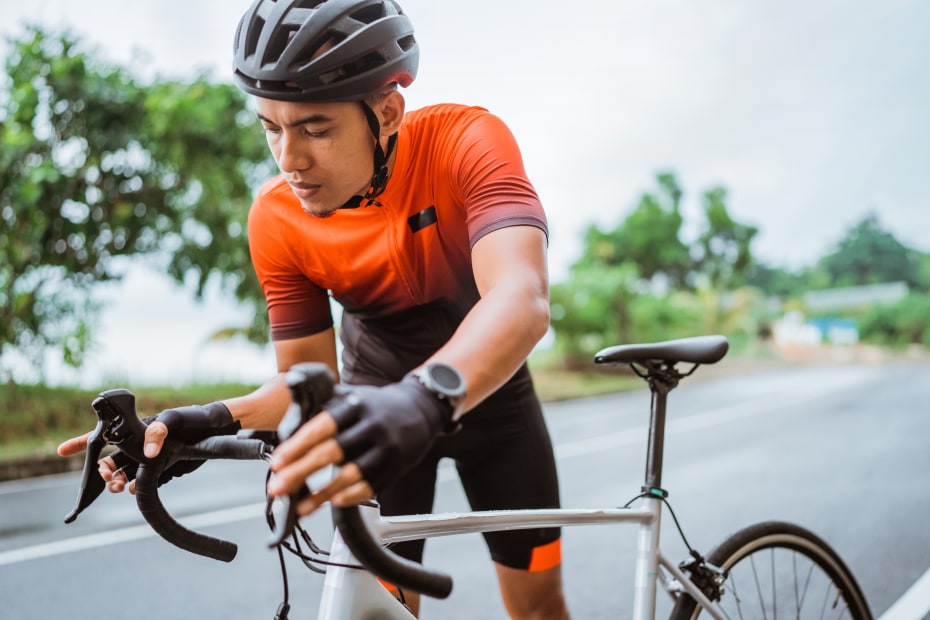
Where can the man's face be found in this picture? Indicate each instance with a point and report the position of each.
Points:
(324, 150)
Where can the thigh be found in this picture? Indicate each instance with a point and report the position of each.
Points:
(510, 465)
(411, 494)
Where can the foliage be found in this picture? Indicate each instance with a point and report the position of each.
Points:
(902, 323)
(648, 237)
(38, 412)
(636, 282)
(723, 248)
(95, 165)
(869, 254)
(774, 281)
(592, 311)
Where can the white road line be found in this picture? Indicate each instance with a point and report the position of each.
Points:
(914, 605)
(136, 532)
(695, 422)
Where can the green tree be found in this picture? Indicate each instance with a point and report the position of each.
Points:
(648, 237)
(634, 282)
(776, 281)
(95, 165)
(904, 322)
(592, 310)
(869, 254)
(723, 251)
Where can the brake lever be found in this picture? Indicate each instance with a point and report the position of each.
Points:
(311, 385)
(117, 424)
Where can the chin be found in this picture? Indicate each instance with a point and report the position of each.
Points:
(318, 210)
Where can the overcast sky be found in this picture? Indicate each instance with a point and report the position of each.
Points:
(812, 114)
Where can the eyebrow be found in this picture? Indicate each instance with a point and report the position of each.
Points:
(313, 118)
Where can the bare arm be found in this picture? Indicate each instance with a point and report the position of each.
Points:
(512, 315)
(264, 407)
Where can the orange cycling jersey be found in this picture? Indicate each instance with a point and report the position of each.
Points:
(458, 175)
(401, 268)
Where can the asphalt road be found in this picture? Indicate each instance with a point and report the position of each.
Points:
(842, 450)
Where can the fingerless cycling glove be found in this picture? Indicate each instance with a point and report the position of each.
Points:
(387, 430)
(188, 424)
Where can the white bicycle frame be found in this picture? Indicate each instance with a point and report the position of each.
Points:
(353, 593)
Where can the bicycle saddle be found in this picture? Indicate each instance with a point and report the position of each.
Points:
(697, 350)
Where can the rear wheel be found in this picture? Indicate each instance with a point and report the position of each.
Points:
(779, 570)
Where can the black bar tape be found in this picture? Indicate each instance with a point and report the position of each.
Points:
(229, 447)
(164, 524)
(382, 563)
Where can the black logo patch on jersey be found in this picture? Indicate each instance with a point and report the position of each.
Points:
(419, 221)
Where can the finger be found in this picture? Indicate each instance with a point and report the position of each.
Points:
(117, 483)
(154, 438)
(348, 479)
(356, 494)
(73, 445)
(114, 477)
(289, 479)
(107, 468)
(318, 430)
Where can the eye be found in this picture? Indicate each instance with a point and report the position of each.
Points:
(315, 134)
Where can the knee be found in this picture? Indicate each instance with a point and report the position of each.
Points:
(532, 595)
(545, 606)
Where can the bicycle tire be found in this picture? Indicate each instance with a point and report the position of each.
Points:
(777, 569)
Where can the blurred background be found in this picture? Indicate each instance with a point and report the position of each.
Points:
(752, 169)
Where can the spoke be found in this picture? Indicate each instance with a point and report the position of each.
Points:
(774, 588)
(807, 583)
(755, 575)
(791, 589)
(826, 603)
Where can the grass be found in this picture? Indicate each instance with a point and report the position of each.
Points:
(35, 418)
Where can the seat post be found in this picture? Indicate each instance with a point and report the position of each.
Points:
(660, 385)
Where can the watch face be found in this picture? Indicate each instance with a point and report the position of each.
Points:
(446, 377)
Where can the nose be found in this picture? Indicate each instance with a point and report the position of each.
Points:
(292, 156)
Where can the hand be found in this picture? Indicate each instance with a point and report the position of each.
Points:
(189, 424)
(375, 434)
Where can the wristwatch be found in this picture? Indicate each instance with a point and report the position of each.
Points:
(447, 384)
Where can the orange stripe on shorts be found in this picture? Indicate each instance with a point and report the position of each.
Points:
(546, 556)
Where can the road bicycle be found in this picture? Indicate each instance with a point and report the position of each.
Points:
(768, 570)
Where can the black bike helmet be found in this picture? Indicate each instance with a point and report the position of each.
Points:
(323, 50)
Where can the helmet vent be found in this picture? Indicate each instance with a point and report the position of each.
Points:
(369, 14)
(407, 42)
(252, 35)
(279, 41)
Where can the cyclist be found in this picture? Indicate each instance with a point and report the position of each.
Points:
(425, 228)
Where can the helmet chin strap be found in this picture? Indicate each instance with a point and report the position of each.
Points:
(380, 177)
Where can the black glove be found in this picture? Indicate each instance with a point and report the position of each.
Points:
(386, 431)
(189, 425)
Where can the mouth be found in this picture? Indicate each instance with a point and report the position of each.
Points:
(304, 191)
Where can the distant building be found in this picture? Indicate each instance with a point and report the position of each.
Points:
(854, 296)
(794, 329)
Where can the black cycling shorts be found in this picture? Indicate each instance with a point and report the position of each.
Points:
(504, 459)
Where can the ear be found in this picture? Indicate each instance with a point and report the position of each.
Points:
(390, 110)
